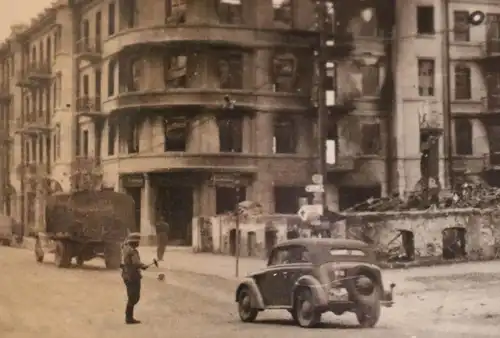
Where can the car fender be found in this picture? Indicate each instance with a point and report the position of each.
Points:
(257, 299)
(319, 294)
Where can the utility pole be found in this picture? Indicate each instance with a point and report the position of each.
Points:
(322, 108)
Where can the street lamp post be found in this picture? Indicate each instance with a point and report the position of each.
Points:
(322, 107)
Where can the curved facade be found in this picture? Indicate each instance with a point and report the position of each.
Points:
(191, 102)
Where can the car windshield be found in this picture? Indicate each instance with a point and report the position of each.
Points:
(347, 252)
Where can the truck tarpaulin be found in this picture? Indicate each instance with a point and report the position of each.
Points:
(90, 215)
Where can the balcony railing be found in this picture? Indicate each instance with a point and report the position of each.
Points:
(88, 105)
(33, 123)
(492, 47)
(39, 71)
(491, 103)
(89, 49)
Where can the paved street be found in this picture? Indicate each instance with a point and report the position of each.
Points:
(38, 300)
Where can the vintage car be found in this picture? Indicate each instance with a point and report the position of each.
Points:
(310, 276)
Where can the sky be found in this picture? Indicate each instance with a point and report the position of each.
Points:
(18, 11)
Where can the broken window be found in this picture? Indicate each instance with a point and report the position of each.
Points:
(370, 139)
(230, 12)
(230, 68)
(285, 136)
(370, 80)
(111, 77)
(283, 13)
(284, 72)
(136, 70)
(175, 71)
(454, 243)
(368, 23)
(230, 131)
(461, 27)
(286, 199)
(175, 11)
(133, 137)
(463, 137)
(111, 138)
(462, 82)
(426, 77)
(227, 198)
(425, 20)
(175, 134)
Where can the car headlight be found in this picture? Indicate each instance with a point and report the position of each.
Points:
(364, 285)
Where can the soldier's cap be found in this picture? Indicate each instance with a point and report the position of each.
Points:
(134, 237)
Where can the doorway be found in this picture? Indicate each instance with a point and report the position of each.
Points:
(135, 193)
(175, 203)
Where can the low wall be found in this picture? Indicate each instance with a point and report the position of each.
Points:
(430, 231)
(257, 235)
(470, 233)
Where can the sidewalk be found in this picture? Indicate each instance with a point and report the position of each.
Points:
(407, 280)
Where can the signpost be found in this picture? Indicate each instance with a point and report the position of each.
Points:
(311, 211)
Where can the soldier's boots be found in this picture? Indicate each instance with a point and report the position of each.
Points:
(129, 316)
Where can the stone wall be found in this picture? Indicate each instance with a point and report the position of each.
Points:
(433, 233)
(396, 236)
(257, 234)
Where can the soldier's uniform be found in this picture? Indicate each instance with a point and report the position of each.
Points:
(162, 229)
(131, 274)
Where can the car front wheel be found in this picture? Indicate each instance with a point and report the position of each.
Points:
(368, 313)
(246, 312)
(305, 313)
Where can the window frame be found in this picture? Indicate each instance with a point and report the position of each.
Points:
(463, 82)
(421, 11)
(431, 90)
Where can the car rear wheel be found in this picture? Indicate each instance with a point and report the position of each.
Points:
(246, 312)
(306, 314)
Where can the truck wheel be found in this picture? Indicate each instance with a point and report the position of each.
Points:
(63, 254)
(38, 251)
(112, 256)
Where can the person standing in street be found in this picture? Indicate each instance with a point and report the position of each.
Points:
(162, 228)
(131, 274)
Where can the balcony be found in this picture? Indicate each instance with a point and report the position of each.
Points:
(492, 161)
(176, 161)
(89, 50)
(86, 165)
(491, 103)
(174, 35)
(35, 75)
(470, 163)
(33, 124)
(89, 106)
(491, 48)
(210, 98)
(342, 165)
(39, 71)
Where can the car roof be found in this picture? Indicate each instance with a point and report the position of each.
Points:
(331, 242)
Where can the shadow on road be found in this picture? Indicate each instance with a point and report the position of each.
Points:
(322, 325)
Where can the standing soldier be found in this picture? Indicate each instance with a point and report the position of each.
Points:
(162, 228)
(131, 274)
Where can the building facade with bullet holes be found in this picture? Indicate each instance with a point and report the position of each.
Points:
(189, 106)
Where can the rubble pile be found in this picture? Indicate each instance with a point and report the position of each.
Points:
(477, 196)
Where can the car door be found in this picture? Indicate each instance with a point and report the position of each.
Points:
(296, 266)
(272, 279)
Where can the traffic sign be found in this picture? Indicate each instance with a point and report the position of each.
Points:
(317, 179)
(315, 188)
(311, 211)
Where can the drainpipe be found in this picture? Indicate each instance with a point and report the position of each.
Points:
(447, 115)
